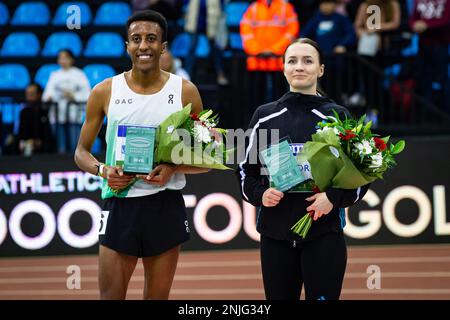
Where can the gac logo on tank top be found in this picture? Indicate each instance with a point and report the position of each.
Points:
(123, 101)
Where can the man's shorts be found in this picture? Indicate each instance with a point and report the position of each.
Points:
(144, 226)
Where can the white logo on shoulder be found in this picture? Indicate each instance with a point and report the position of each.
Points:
(103, 221)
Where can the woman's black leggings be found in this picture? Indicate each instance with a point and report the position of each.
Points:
(319, 265)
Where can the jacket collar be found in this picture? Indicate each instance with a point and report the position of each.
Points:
(303, 101)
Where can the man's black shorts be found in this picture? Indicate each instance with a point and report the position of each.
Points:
(144, 226)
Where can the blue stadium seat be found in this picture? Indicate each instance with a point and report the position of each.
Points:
(180, 45)
(61, 14)
(10, 112)
(13, 76)
(182, 42)
(31, 14)
(20, 44)
(4, 14)
(105, 44)
(43, 73)
(98, 72)
(112, 14)
(234, 12)
(202, 50)
(62, 40)
(236, 41)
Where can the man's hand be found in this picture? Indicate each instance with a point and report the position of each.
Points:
(271, 197)
(116, 178)
(160, 175)
(321, 205)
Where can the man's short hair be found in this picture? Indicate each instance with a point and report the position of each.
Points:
(152, 16)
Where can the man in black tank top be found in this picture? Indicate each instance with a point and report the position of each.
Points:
(153, 226)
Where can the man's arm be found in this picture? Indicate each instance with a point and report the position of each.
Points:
(91, 127)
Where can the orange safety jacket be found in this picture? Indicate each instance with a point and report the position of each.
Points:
(265, 28)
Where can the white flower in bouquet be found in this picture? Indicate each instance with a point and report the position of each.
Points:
(211, 124)
(377, 160)
(325, 129)
(363, 147)
(201, 134)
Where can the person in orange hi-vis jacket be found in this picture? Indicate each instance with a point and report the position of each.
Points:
(267, 28)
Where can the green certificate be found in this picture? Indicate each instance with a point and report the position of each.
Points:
(282, 166)
(139, 149)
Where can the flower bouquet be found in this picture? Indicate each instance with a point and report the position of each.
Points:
(192, 139)
(346, 154)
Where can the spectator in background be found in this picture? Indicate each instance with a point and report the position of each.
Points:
(67, 89)
(204, 17)
(34, 129)
(374, 40)
(173, 65)
(331, 30)
(171, 9)
(335, 35)
(431, 20)
(389, 21)
(267, 28)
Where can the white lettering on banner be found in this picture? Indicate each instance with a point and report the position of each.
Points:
(65, 181)
(250, 221)
(3, 226)
(373, 217)
(237, 219)
(55, 181)
(441, 226)
(48, 231)
(66, 212)
(398, 228)
(234, 212)
(40, 188)
(27, 183)
(4, 185)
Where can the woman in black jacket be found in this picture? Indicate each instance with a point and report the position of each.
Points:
(318, 262)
